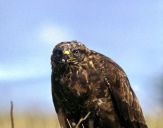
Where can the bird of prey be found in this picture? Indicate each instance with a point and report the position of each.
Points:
(90, 90)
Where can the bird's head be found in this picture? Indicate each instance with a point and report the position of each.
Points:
(68, 53)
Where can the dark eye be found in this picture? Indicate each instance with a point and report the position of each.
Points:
(75, 51)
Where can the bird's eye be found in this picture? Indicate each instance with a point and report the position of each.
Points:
(75, 51)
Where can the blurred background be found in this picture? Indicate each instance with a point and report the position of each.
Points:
(130, 32)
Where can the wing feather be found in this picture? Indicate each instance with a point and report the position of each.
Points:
(124, 98)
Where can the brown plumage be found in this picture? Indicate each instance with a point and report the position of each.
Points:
(88, 84)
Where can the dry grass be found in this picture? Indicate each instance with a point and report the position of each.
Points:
(29, 120)
(37, 119)
(155, 121)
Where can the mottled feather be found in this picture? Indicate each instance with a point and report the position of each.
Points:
(88, 84)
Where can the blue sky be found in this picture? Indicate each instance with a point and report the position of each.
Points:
(128, 31)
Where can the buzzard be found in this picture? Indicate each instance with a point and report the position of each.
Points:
(90, 90)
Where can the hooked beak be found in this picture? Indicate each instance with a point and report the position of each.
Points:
(67, 57)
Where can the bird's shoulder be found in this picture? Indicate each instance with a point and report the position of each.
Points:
(123, 96)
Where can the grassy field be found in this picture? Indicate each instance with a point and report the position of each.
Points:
(42, 120)
(155, 121)
(29, 120)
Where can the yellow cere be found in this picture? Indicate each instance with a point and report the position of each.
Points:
(67, 52)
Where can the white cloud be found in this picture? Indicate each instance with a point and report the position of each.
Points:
(23, 70)
(53, 34)
(11, 74)
(35, 66)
